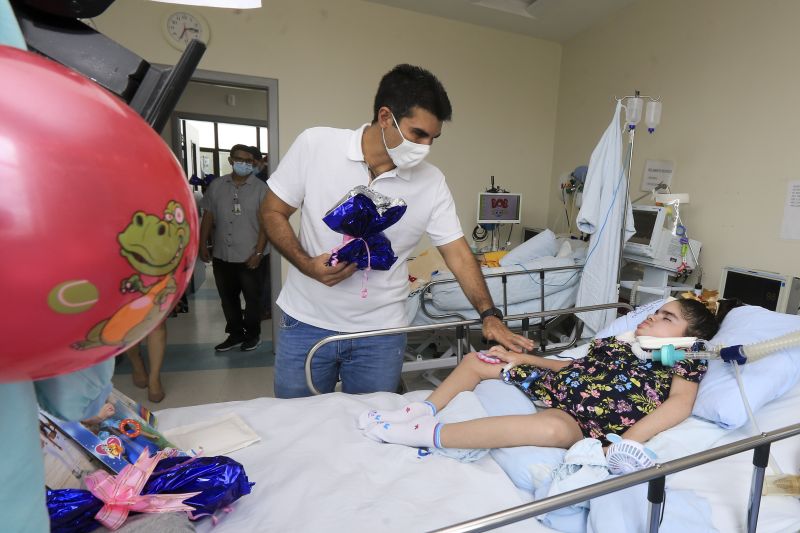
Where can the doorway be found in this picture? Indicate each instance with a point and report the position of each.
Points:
(235, 104)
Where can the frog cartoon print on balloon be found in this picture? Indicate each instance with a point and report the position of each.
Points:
(154, 247)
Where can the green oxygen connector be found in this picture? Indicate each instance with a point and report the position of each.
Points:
(667, 355)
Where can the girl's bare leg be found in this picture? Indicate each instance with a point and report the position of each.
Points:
(139, 372)
(464, 377)
(156, 346)
(547, 428)
(550, 427)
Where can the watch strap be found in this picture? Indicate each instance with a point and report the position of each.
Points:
(492, 311)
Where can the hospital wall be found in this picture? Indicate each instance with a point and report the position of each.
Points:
(727, 72)
(328, 57)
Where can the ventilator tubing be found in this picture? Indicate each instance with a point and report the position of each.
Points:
(759, 350)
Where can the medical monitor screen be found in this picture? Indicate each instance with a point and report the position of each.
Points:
(499, 208)
(645, 223)
(752, 290)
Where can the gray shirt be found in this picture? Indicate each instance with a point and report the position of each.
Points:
(235, 235)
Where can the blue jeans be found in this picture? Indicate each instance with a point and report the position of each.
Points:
(370, 364)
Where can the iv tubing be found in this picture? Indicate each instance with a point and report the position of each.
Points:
(773, 464)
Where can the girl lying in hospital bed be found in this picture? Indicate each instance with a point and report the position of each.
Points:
(608, 391)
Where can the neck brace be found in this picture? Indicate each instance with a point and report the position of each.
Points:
(640, 345)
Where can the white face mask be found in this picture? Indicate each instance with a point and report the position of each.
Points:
(406, 154)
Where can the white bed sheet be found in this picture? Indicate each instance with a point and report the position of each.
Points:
(314, 471)
(726, 483)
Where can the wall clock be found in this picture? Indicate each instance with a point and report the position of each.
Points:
(180, 27)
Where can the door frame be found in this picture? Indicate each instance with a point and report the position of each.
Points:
(270, 85)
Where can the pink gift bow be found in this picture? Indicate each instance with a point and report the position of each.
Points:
(121, 493)
(346, 239)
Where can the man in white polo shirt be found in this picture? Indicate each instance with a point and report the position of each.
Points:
(319, 300)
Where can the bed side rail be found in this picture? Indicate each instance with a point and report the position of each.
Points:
(426, 289)
(541, 272)
(463, 324)
(654, 476)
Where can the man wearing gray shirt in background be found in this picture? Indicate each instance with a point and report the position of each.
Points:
(231, 207)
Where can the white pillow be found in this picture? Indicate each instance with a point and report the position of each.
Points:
(542, 244)
(767, 379)
(529, 467)
(631, 320)
(565, 250)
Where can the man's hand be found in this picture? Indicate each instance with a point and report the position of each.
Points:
(253, 261)
(495, 330)
(506, 356)
(205, 254)
(319, 269)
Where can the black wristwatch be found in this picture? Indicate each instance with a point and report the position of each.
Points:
(492, 311)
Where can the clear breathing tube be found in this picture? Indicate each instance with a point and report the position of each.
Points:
(668, 355)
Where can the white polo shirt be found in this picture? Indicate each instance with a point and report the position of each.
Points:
(321, 166)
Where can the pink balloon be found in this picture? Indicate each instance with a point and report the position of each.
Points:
(98, 226)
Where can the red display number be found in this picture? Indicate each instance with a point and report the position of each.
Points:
(500, 202)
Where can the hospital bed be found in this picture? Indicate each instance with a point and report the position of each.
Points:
(315, 471)
(542, 283)
(448, 331)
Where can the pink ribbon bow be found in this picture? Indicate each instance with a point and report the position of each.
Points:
(346, 239)
(121, 493)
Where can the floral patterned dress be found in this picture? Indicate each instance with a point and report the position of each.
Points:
(608, 390)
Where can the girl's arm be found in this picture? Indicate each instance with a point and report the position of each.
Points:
(527, 359)
(675, 409)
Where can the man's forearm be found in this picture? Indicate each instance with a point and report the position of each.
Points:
(261, 243)
(465, 268)
(205, 228)
(282, 236)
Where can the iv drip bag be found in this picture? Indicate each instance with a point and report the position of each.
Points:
(653, 116)
(633, 111)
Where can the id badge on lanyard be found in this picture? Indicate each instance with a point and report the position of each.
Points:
(237, 207)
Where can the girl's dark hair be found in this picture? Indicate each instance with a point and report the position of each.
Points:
(702, 322)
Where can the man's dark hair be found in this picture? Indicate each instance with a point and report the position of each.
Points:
(702, 322)
(241, 148)
(255, 151)
(405, 87)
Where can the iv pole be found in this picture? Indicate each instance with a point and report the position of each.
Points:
(633, 115)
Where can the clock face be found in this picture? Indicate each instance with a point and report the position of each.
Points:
(181, 27)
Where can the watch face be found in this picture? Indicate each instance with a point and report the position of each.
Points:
(182, 27)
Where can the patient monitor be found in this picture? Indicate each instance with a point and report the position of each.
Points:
(770, 290)
(657, 253)
(653, 244)
(499, 208)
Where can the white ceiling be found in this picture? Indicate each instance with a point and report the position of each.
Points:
(553, 20)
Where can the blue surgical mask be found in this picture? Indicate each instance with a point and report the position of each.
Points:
(242, 169)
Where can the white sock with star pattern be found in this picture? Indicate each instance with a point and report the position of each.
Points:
(406, 414)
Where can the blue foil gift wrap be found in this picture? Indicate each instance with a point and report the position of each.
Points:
(72, 510)
(363, 215)
(220, 481)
